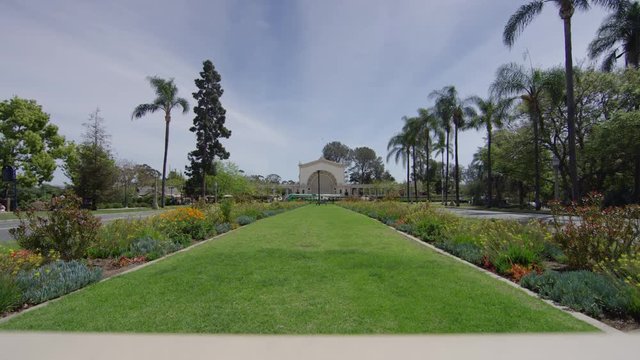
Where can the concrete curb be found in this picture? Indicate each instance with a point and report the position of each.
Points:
(578, 315)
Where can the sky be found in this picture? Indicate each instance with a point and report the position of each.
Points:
(296, 74)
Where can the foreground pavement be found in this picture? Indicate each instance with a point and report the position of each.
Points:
(159, 347)
(5, 225)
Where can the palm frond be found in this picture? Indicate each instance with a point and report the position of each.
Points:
(511, 79)
(609, 62)
(183, 103)
(143, 109)
(519, 21)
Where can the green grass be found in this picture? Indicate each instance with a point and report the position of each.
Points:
(314, 270)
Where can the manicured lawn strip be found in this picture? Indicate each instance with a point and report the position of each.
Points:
(313, 270)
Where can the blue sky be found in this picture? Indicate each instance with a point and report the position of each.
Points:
(296, 74)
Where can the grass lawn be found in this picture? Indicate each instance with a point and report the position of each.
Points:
(314, 270)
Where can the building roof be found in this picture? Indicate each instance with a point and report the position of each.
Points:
(322, 160)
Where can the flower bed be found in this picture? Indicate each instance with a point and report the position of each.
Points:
(522, 252)
(89, 249)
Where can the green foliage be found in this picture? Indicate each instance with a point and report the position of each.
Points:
(594, 294)
(226, 206)
(245, 220)
(223, 228)
(208, 125)
(466, 251)
(54, 280)
(67, 230)
(13, 261)
(593, 237)
(29, 141)
(151, 248)
(10, 294)
(90, 165)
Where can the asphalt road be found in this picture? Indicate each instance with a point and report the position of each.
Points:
(5, 225)
(502, 215)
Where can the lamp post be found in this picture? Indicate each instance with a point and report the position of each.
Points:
(556, 166)
(318, 187)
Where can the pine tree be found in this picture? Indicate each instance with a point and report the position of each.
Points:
(208, 125)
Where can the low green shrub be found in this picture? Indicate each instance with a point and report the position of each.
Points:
(151, 249)
(10, 294)
(67, 229)
(594, 294)
(223, 228)
(54, 280)
(244, 220)
(115, 238)
(466, 251)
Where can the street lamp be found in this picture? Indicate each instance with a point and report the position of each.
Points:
(556, 166)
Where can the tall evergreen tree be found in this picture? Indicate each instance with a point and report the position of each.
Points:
(208, 125)
(91, 166)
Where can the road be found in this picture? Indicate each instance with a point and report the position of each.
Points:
(502, 215)
(5, 225)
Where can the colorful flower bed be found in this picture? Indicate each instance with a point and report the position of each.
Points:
(70, 249)
(606, 241)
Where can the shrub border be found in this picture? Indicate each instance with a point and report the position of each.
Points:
(578, 315)
(136, 268)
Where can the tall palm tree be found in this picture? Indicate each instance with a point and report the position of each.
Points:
(441, 147)
(519, 21)
(166, 99)
(399, 148)
(513, 80)
(619, 35)
(492, 113)
(461, 113)
(445, 104)
(428, 125)
(413, 130)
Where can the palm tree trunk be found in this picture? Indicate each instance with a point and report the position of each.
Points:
(536, 150)
(167, 120)
(408, 169)
(446, 173)
(442, 178)
(415, 178)
(457, 170)
(426, 150)
(571, 116)
(489, 180)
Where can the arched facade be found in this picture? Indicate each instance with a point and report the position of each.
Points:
(331, 175)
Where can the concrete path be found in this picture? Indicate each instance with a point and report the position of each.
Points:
(5, 225)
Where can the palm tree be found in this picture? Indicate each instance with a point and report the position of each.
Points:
(166, 99)
(492, 114)
(413, 130)
(519, 21)
(619, 30)
(441, 148)
(461, 113)
(445, 103)
(513, 80)
(399, 148)
(428, 125)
